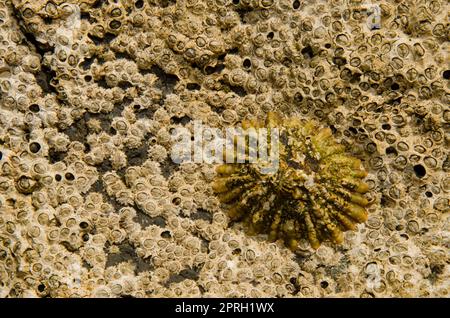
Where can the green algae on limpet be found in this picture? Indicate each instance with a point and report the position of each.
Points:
(317, 192)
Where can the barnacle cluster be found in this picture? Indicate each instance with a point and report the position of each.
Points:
(91, 203)
(315, 193)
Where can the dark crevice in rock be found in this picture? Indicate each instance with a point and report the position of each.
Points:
(168, 167)
(436, 271)
(166, 235)
(208, 70)
(202, 289)
(86, 16)
(98, 187)
(287, 62)
(238, 90)
(124, 85)
(144, 113)
(395, 101)
(219, 67)
(119, 107)
(106, 39)
(137, 156)
(446, 164)
(242, 11)
(44, 79)
(166, 82)
(391, 151)
(105, 166)
(86, 265)
(101, 82)
(312, 163)
(386, 202)
(204, 245)
(295, 283)
(159, 221)
(123, 55)
(202, 214)
(41, 48)
(47, 20)
(199, 65)
(55, 156)
(128, 253)
(180, 120)
(339, 61)
(308, 52)
(218, 110)
(78, 131)
(87, 62)
(234, 50)
(187, 273)
(166, 3)
(193, 86)
(145, 220)
(301, 257)
(97, 4)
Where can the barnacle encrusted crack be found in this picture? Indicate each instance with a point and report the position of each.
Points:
(315, 194)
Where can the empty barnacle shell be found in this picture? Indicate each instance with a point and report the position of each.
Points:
(26, 185)
(316, 193)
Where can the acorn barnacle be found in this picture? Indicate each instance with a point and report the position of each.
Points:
(26, 185)
(316, 191)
